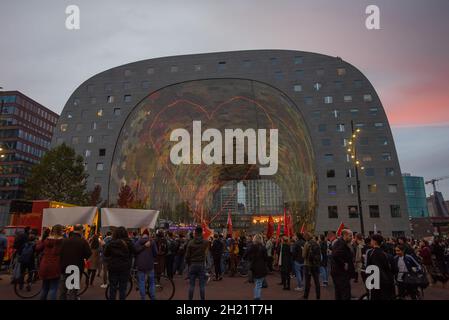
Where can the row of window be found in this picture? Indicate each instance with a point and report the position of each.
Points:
(374, 211)
(33, 108)
(19, 157)
(9, 182)
(341, 127)
(331, 173)
(337, 114)
(29, 149)
(109, 99)
(352, 189)
(12, 110)
(14, 169)
(362, 141)
(32, 138)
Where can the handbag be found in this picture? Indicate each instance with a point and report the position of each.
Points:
(416, 279)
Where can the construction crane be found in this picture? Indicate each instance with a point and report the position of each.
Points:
(433, 182)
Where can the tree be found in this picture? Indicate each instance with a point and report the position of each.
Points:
(95, 197)
(60, 176)
(125, 197)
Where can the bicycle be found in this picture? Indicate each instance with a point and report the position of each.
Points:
(33, 285)
(165, 287)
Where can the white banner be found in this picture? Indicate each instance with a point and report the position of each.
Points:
(68, 216)
(128, 218)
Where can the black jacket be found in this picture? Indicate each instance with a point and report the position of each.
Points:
(286, 257)
(196, 251)
(342, 264)
(257, 255)
(217, 248)
(379, 258)
(298, 247)
(73, 251)
(118, 255)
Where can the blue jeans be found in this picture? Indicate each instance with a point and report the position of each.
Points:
(258, 282)
(145, 277)
(324, 275)
(197, 271)
(298, 273)
(49, 286)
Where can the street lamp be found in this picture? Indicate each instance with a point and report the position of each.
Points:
(357, 163)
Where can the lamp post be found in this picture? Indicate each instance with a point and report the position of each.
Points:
(352, 150)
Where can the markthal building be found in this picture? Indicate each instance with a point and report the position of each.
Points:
(249, 134)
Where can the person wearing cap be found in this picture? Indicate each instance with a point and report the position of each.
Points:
(196, 260)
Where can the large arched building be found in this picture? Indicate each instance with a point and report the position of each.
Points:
(169, 129)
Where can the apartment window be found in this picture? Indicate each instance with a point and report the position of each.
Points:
(335, 113)
(350, 173)
(247, 63)
(127, 98)
(322, 127)
(100, 166)
(110, 99)
(329, 158)
(369, 172)
(383, 141)
(110, 125)
(328, 99)
(344, 142)
(99, 112)
(358, 84)
(127, 73)
(298, 60)
(174, 69)
(75, 140)
(76, 102)
(372, 188)
(340, 127)
(320, 72)
(367, 158)
(299, 74)
(317, 86)
(308, 100)
(64, 127)
(197, 67)
(145, 84)
(117, 111)
(374, 211)
(274, 61)
(90, 139)
(373, 111)
(353, 211)
(93, 100)
(332, 190)
(87, 153)
(316, 114)
(94, 126)
(367, 98)
(338, 85)
(379, 125)
(150, 70)
(347, 98)
(395, 211)
(392, 188)
(108, 87)
(386, 156)
(389, 172)
(359, 125)
(363, 141)
(297, 88)
(326, 142)
(354, 112)
(352, 189)
(341, 71)
(332, 212)
(79, 127)
(330, 173)
(278, 75)
(126, 85)
(102, 152)
(84, 114)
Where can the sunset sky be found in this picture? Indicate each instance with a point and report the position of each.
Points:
(407, 60)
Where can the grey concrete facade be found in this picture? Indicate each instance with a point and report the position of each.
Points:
(91, 122)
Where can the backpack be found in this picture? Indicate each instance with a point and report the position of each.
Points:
(314, 254)
(172, 247)
(27, 255)
(298, 250)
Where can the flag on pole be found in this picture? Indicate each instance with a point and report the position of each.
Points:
(340, 229)
(278, 232)
(229, 224)
(270, 228)
(290, 225)
(285, 222)
(206, 231)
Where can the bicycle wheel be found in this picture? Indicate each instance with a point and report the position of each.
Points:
(128, 289)
(31, 286)
(165, 288)
(84, 284)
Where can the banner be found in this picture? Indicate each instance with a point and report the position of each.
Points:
(68, 216)
(128, 218)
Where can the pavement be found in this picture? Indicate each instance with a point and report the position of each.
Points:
(231, 288)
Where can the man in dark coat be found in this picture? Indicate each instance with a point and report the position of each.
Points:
(285, 262)
(342, 265)
(217, 252)
(257, 255)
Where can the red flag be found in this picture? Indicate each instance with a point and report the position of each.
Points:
(229, 224)
(340, 229)
(285, 222)
(270, 229)
(303, 228)
(290, 225)
(278, 232)
(206, 231)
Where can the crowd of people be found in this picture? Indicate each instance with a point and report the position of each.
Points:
(404, 264)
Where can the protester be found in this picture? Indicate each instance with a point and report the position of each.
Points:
(285, 262)
(233, 256)
(257, 255)
(162, 248)
(27, 260)
(324, 274)
(270, 248)
(217, 252)
(342, 266)
(75, 249)
(180, 253)
(376, 256)
(196, 260)
(406, 264)
(312, 262)
(103, 265)
(146, 253)
(171, 253)
(94, 259)
(118, 254)
(359, 244)
(298, 261)
(50, 264)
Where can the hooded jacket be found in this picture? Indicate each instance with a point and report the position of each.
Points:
(196, 250)
(50, 265)
(145, 256)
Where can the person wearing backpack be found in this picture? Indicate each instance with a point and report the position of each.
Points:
(27, 260)
(180, 252)
(312, 262)
(298, 261)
